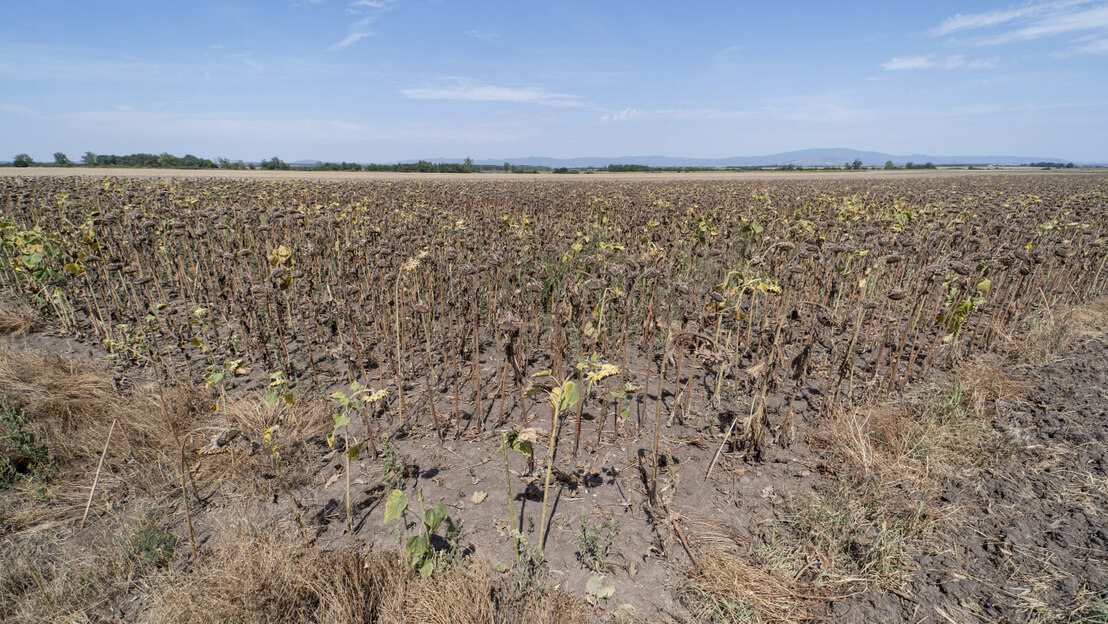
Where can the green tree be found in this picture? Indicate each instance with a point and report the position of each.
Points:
(274, 163)
(507, 167)
(88, 159)
(856, 165)
(23, 160)
(889, 164)
(467, 166)
(61, 159)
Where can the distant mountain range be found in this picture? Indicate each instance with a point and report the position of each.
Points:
(819, 157)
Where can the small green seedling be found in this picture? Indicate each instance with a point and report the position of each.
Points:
(421, 555)
(624, 395)
(359, 397)
(278, 389)
(561, 397)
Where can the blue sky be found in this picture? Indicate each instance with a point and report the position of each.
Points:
(385, 80)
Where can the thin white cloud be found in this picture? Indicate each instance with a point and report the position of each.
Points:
(358, 29)
(1028, 22)
(469, 91)
(1053, 25)
(1097, 46)
(990, 18)
(958, 61)
(902, 63)
(954, 61)
(706, 114)
(623, 115)
(990, 63)
(1083, 46)
(350, 39)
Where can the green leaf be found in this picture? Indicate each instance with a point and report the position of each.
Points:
(355, 451)
(341, 420)
(355, 386)
(271, 397)
(512, 441)
(522, 446)
(433, 517)
(623, 413)
(288, 398)
(416, 548)
(427, 568)
(546, 372)
(569, 396)
(395, 505)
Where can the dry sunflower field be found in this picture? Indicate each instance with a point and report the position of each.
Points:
(497, 400)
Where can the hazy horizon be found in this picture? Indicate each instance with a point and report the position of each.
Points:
(395, 80)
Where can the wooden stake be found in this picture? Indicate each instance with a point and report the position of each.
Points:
(96, 479)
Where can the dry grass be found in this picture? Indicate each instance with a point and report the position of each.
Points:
(60, 573)
(123, 564)
(725, 588)
(294, 431)
(75, 405)
(935, 431)
(860, 537)
(1049, 331)
(51, 568)
(16, 316)
(890, 459)
(264, 574)
(942, 430)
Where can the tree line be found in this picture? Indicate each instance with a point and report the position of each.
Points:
(169, 161)
(164, 160)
